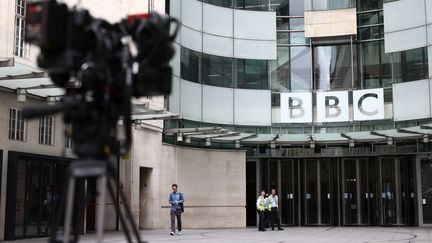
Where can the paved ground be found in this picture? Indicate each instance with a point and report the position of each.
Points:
(289, 235)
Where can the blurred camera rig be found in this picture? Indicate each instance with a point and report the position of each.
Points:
(101, 66)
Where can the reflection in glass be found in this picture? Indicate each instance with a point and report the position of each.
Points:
(296, 24)
(189, 65)
(375, 65)
(328, 4)
(291, 73)
(301, 64)
(283, 38)
(257, 5)
(282, 23)
(298, 38)
(250, 74)
(371, 33)
(370, 18)
(364, 5)
(332, 67)
(296, 8)
(222, 3)
(279, 70)
(217, 70)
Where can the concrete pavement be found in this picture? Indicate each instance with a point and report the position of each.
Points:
(289, 235)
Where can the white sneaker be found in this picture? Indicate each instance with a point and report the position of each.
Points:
(179, 233)
(172, 233)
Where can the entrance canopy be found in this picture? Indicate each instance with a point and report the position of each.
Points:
(27, 80)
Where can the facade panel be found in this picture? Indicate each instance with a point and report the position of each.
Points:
(252, 107)
(411, 100)
(218, 104)
(191, 100)
(191, 39)
(218, 20)
(255, 25)
(191, 14)
(218, 45)
(255, 49)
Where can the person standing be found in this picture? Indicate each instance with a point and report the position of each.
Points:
(273, 205)
(176, 200)
(261, 205)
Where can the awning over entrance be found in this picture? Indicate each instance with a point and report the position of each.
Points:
(27, 80)
(220, 135)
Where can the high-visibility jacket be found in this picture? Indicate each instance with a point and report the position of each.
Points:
(270, 203)
(261, 203)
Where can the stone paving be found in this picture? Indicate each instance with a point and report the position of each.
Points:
(289, 235)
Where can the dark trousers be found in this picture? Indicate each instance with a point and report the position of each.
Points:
(274, 218)
(267, 218)
(261, 216)
(175, 214)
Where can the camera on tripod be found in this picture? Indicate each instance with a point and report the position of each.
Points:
(70, 38)
(101, 66)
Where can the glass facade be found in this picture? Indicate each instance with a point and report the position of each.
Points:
(223, 71)
(305, 65)
(333, 67)
(328, 4)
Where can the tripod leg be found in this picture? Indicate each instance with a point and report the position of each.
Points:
(101, 209)
(129, 214)
(119, 214)
(69, 206)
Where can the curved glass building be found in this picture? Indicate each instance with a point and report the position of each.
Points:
(330, 99)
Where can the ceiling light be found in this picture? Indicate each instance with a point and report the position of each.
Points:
(179, 137)
(207, 142)
(237, 144)
(188, 139)
(21, 95)
(426, 138)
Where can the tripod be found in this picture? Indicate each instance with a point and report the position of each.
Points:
(104, 172)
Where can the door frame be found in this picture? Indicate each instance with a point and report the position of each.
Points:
(11, 190)
(419, 194)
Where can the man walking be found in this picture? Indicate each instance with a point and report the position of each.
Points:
(176, 200)
(273, 205)
(261, 205)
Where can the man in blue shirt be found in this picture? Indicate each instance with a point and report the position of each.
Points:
(176, 200)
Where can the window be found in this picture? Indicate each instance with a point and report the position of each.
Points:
(217, 70)
(251, 74)
(46, 130)
(68, 136)
(333, 67)
(19, 49)
(16, 125)
(190, 65)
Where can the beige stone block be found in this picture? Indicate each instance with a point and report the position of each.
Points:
(317, 17)
(317, 30)
(343, 15)
(344, 28)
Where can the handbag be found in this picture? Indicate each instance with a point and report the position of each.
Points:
(181, 204)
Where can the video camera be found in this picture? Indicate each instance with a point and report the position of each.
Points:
(68, 39)
(101, 66)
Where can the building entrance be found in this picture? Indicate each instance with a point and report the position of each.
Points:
(348, 191)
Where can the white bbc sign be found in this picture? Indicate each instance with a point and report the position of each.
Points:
(332, 106)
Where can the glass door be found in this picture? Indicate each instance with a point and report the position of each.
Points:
(328, 191)
(288, 192)
(310, 189)
(426, 185)
(368, 196)
(408, 191)
(350, 191)
(388, 191)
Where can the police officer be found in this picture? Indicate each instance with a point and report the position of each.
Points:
(261, 206)
(273, 205)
